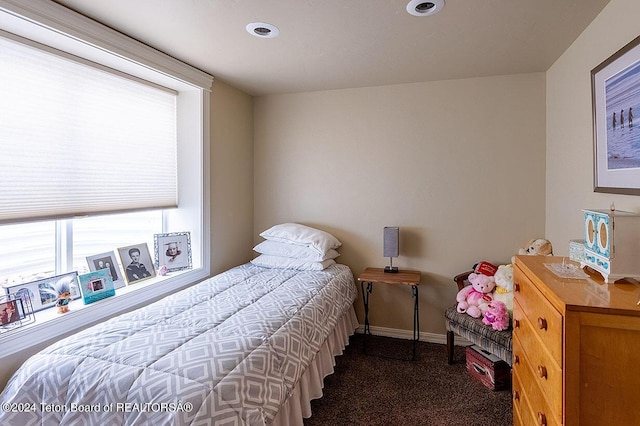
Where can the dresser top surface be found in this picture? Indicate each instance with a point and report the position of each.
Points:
(591, 294)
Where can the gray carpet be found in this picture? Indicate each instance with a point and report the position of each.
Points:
(377, 390)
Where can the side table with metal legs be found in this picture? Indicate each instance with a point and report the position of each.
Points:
(377, 275)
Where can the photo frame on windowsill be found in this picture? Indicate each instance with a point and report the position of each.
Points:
(615, 89)
(136, 262)
(107, 260)
(15, 312)
(173, 250)
(96, 285)
(41, 293)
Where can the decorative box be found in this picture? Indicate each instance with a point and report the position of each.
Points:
(611, 243)
(576, 250)
(490, 370)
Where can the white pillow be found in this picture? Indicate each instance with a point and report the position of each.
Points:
(290, 263)
(276, 248)
(295, 233)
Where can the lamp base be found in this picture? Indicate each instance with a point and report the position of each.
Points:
(391, 269)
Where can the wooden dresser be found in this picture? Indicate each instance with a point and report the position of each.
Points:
(576, 348)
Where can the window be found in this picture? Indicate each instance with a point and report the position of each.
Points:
(34, 250)
(49, 238)
(26, 251)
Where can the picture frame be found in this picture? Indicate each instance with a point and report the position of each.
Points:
(135, 266)
(107, 260)
(41, 293)
(615, 90)
(96, 285)
(173, 250)
(15, 312)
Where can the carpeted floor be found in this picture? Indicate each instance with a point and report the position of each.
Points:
(376, 390)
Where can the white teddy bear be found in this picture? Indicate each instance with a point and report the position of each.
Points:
(504, 286)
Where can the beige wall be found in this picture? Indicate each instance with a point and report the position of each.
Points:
(231, 177)
(458, 165)
(569, 125)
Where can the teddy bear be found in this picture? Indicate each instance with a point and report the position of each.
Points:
(504, 286)
(496, 316)
(537, 246)
(474, 299)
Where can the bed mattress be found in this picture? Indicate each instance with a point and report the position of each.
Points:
(227, 351)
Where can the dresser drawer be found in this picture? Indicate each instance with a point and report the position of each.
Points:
(523, 413)
(519, 404)
(546, 321)
(540, 365)
(536, 405)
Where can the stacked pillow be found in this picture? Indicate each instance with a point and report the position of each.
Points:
(295, 246)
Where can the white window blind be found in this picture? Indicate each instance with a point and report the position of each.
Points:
(76, 139)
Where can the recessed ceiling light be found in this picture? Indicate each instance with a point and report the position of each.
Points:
(424, 8)
(262, 30)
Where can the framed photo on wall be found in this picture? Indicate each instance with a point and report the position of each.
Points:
(107, 260)
(136, 262)
(173, 250)
(615, 89)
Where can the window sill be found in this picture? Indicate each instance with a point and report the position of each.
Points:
(50, 325)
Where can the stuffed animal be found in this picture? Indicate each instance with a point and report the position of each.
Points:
(536, 247)
(474, 299)
(496, 316)
(504, 286)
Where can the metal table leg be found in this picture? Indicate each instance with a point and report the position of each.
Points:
(365, 298)
(416, 319)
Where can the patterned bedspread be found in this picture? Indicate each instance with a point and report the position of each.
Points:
(226, 351)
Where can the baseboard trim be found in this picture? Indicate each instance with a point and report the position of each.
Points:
(408, 335)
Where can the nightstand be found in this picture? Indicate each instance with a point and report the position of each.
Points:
(402, 277)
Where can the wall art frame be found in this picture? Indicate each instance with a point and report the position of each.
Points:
(173, 250)
(615, 92)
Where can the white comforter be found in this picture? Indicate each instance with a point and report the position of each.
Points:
(227, 351)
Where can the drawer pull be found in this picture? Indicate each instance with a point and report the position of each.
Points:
(542, 419)
(516, 396)
(516, 359)
(516, 287)
(516, 323)
(542, 323)
(542, 371)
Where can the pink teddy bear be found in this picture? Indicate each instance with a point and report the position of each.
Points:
(497, 315)
(474, 299)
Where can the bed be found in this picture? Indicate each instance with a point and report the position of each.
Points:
(250, 346)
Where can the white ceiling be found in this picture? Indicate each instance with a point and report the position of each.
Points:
(337, 44)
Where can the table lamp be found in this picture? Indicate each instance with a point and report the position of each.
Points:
(390, 246)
